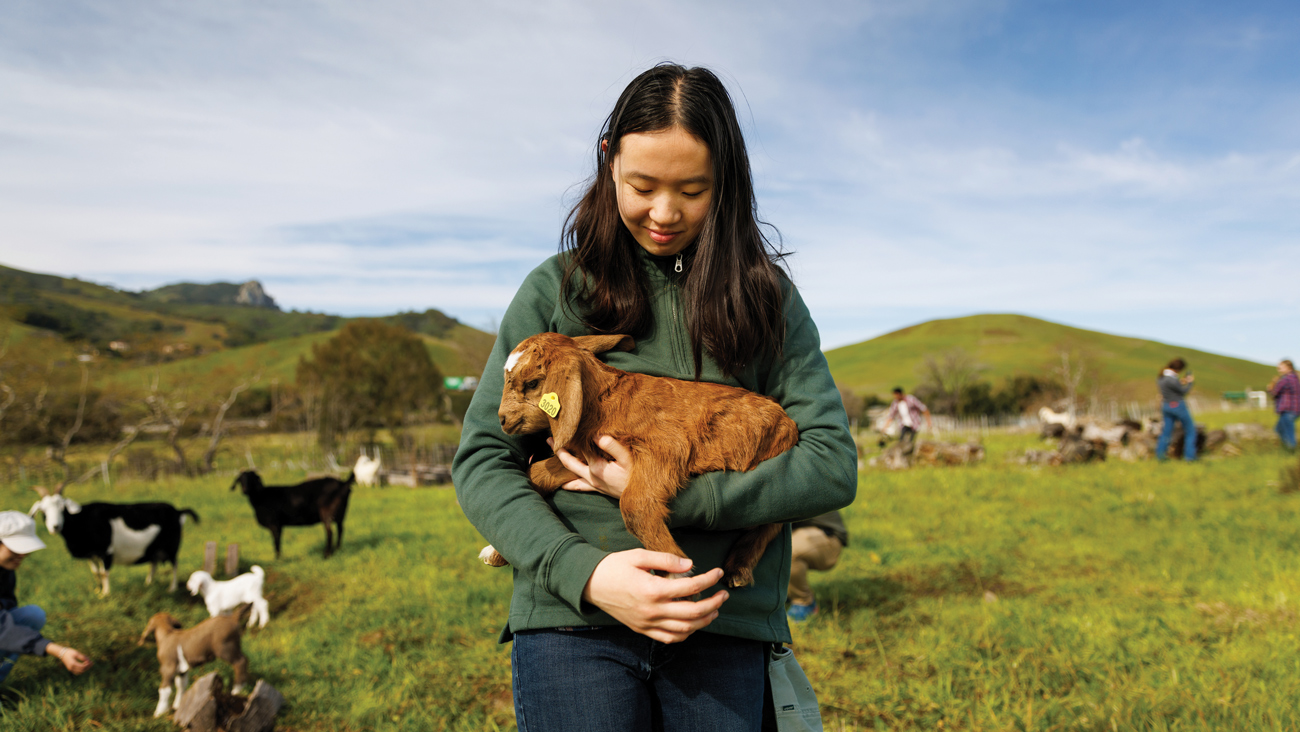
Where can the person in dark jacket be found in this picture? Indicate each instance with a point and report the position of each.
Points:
(20, 627)
(1173, 405)
(814, 544)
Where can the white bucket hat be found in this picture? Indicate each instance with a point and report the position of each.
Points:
(18, 532)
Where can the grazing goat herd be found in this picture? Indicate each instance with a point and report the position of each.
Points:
(136, 533)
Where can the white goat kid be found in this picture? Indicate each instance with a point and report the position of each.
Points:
(223, 597)
(367, 470)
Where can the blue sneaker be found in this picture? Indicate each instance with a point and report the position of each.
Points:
(800, 613)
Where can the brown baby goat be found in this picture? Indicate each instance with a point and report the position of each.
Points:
(180, 650)
(673, 429)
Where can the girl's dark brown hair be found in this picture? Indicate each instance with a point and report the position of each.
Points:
(732, 288)
(1175, 365)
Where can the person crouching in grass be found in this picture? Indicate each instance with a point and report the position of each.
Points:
(20, 627)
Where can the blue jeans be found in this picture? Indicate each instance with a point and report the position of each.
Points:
(30, 616)
(1178, 412)
(611, 678)
(1286, 429)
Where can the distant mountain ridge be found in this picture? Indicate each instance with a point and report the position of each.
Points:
(186, 320)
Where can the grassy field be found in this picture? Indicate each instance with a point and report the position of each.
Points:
(1017, 344)
(1099, 597)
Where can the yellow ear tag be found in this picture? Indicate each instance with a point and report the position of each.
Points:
(550, 404)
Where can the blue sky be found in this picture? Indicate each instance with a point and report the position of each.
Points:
(1126, 167)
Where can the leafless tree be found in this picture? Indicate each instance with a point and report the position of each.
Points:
(172, 410)
(58, 453)
(1071, 377)
(216, 430)
(948, 375)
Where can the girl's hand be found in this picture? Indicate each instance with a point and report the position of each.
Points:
(622, 586)
(600, 475)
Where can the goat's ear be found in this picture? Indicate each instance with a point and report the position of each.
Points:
(602, 343)
(40, 490)
(35, 507)
(565, 379)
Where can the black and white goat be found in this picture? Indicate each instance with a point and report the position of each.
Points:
(115, 533)
(316, 501)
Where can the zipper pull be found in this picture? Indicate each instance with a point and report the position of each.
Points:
(678, 267)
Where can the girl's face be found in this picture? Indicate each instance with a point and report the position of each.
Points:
(664, 184)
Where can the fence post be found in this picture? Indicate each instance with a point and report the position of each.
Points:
(210, 557)
(232, 559)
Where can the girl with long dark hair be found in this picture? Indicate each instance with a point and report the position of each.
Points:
(664, 245)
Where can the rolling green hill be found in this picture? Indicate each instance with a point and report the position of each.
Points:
(196, 329)
(461, 353)
(1118, 366)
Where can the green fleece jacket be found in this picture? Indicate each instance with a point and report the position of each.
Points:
(554, 544)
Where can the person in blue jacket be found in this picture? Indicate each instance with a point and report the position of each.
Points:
(1173, 405)
(20, 627)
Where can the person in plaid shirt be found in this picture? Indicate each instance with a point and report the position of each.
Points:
(907, 410)
(1285, 390)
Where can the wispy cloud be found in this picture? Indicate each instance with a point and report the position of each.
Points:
(1101, 165)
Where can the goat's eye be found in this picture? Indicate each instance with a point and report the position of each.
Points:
(532, 385)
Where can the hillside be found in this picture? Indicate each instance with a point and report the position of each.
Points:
(462, 352)
(1118, 367)
(194, 329)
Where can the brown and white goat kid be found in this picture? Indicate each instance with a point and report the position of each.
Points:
(180, 650)
(673, 429)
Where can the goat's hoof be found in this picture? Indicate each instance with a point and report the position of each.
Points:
(491, 558)
(740, 578)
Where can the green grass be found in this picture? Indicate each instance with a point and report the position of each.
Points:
(1017, 344)
(1108, 596)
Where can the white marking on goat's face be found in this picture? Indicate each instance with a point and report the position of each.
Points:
(128, 545)
(512, 360)
(54, 506)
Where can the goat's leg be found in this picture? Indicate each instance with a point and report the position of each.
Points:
(101, 574)
(182, 683)
(240, 666)
(644, 506)
(261, 611)
(329, 536)
(745, 553)
(338, 542)
(172, 586)
(164, 699)
(549, 475)
(153, 566)
(275, 537)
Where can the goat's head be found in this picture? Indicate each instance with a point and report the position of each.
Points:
(54, 506)
(160, 624)
(248, 481)
(198, 582)
(544, 382)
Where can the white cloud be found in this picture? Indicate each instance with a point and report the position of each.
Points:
(406, 154)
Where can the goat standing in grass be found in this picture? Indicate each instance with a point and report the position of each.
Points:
(180, 650)
(317, 501)
(115, 533)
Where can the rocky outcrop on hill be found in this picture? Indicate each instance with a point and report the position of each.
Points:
(252, 293)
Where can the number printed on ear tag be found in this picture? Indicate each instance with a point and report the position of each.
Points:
(550, 404)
